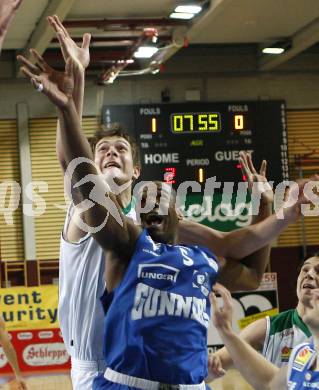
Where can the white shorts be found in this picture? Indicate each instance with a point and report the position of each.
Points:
(83, 373)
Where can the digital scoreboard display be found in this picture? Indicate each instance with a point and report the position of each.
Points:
(195, 141)
(195, 122)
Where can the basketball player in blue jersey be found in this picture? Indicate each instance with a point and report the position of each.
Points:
(302, 371)
(60, 91)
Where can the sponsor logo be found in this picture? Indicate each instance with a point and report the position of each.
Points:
(46, 334)
(45, 354)
(302, 358)
(157, 272)
(201, 281)
(311, 385)
(285, 353)
(25, 336)
(150, 302)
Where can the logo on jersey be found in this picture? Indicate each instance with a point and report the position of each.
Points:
(201, 281)
(313, 384)
(302, 358)
(285, 354)
(150, 302)
(158, 271)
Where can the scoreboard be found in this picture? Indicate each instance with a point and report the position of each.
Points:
(195, 141)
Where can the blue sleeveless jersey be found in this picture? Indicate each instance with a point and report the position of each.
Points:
(156, 326)
(300, 375)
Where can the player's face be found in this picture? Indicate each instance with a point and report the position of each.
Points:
(161, 221)
(308, 280)
(114, 160)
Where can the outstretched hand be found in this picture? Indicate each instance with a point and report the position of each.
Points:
(222, 315)
(215, 367)
(69, 48)
(301, 193)
(57, 86)
(249, 171)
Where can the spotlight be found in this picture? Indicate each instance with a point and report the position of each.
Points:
(277, 47)
(145, 51)
(188, 9)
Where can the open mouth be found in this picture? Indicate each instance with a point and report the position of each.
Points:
(154, 220)
(112, 164)
(308, 285)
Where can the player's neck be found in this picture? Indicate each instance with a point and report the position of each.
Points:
(300, 309)
(125, 197)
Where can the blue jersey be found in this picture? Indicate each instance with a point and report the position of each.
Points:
(156, 326)
(300, 375)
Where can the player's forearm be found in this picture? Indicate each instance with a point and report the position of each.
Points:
(73, 139)
(11, 355)
(242, 242)
(78, 97)
(259, 259)
(254, 367)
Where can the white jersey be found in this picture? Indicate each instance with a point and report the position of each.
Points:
(81, 284)
(284, 332)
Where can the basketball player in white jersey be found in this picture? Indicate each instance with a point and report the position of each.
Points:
(275, 337)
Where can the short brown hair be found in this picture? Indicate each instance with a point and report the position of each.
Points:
(116, 130)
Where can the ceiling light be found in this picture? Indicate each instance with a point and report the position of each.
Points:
(278, 47)
(181, 15)
(273, 50)
(145, 52)
(188, 9)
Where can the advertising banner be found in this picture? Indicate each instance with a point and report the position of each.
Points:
(30, 314)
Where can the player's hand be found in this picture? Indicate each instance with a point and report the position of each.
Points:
(7, 11)
(57, 86)
(222, 316)
(298, 197)
(18, 384)
(215, 367)
(249, 171)
(68, 47)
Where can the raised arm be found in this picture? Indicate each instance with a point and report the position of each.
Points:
(254, 334)
(11, 356)
(102, 215)
(254, 367)
(242, 242)
(8, 9)
(81, 54)
(247, 274)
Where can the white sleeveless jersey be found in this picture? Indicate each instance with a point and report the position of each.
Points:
(284, 332)
(81, 284)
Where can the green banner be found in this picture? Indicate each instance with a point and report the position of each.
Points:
(221, 212)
